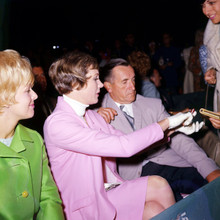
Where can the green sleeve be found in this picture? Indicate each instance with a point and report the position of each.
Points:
(50, 202)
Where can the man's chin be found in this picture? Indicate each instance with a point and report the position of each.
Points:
(131, 99)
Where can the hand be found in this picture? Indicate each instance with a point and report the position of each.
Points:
(210, 76)
(181, 119)
(107, 113)
(213, 175)
(194, 127)
(215, 122)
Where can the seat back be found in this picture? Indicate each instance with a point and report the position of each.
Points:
(201, 204)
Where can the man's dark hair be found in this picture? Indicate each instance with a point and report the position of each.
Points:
(106, 71)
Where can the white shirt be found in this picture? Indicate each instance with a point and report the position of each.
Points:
(128, 108)
(6, 141)
(78, 107)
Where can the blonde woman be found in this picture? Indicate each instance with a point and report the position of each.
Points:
(27, 188)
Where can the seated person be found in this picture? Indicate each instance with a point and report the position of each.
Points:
(148, 82)
(27, 188)
(180, 160)
(141, 63)
(151, 83)
(82, 149)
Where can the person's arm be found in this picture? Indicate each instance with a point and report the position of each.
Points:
(107, 113)
(50, 202)
(203, 58)
(68, 132)
(210, 76)
(215, 122)
(213, 175)
(186, 147)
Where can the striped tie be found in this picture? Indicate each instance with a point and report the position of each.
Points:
(128, 117)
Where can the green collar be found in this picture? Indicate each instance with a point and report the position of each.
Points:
(18, 144)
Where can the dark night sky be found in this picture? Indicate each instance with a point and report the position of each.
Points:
(58, 21)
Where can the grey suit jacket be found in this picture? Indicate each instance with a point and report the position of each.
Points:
(179, 151)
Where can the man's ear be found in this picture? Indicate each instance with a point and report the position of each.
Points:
(108, 86)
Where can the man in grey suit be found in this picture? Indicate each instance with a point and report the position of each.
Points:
(178, 159)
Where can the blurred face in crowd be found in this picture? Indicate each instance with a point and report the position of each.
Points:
(166, 39)
(122, 85)
(130, 39)
(152, 46)
(156, 78)
(211, 9)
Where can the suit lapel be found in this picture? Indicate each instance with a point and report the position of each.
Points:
(20, 139)
(137, 116)
(7, 151)
(121, 120)
(19, 143)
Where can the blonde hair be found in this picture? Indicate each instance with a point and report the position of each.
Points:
(15, 71)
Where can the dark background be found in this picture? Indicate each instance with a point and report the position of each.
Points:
(26, 25)
(34, 22)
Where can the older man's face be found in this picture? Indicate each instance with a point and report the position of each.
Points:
(122, 88)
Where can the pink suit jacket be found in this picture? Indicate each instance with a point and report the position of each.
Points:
(79, 155)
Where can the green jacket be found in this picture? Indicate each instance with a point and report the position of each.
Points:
(27, 188)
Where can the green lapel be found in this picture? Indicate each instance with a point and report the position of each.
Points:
(19, 143)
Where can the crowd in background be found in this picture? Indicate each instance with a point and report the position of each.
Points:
(181, 77)
(177, 70)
